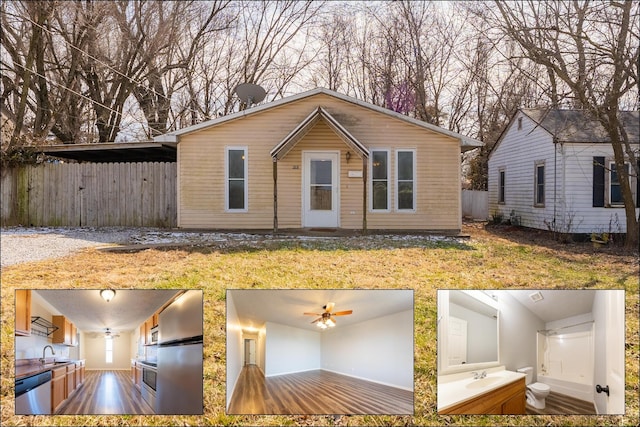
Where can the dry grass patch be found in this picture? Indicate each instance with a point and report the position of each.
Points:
(485, 261)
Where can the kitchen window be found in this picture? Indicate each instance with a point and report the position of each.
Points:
(539, 185)
(405, 180)
(109, 349)
(380, 180)
(236, 179)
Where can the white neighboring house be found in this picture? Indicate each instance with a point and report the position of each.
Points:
(554, 170)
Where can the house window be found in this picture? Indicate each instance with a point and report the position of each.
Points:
(380, 180)
(615, 193)
(109, 349)
(236, 179)
(519, 123)
(539, 185)
(405, 185)
(501, 185)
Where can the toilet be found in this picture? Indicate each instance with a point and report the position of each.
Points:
(536, 392)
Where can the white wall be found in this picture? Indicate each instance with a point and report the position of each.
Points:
(518, 334)
(234, 347)
(95, 352)
(290, 350)
(379, 350)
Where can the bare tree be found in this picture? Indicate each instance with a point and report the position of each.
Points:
(592, 47)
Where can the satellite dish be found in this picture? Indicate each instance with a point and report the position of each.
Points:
(250, 93)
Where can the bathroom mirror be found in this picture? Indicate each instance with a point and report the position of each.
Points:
(467, 331)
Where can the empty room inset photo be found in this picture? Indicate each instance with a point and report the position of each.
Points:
(533, 351)
(108, 352)
(312, 352)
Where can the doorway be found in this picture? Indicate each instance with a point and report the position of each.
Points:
(249, 352)
(320, 189)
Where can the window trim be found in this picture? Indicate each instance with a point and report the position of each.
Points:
(389, 178)
(537, 165)
(397, 181)
(612, 165)
(245, 178)
(502, 186)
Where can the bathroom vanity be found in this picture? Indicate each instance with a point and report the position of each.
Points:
(500, 392)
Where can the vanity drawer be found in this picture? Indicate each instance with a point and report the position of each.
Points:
(508, 399)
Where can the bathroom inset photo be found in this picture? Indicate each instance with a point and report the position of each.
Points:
(108, 352)
(534, 352)
(324, 351)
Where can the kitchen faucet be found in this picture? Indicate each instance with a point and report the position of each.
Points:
(477, 376)
(53, 352)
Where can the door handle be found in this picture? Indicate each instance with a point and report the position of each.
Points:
(600, 389)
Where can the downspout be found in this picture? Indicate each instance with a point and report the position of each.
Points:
(555, 179)
(275, 195)
(364, 195)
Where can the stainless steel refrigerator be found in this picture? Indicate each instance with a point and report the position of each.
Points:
(179, 383)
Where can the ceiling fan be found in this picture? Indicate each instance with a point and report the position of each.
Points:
(326, 319)
(108, 334)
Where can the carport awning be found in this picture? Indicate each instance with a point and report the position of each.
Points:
(290, 141)
(115, 152)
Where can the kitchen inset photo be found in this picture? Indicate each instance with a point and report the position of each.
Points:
(531, 351)
(108, 352)
(321, 351)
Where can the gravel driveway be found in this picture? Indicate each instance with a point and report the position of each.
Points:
(20, 244)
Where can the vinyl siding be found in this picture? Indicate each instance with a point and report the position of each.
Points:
(201, 169)
(517, 153)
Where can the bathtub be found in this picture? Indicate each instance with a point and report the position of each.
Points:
(569, 385)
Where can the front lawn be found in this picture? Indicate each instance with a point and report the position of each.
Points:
(489, 259)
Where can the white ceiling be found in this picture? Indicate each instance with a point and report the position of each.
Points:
(90, 313)
(557, 304)
(285, 306)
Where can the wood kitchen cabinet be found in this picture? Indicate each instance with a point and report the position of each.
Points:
(58, 386)
(71, 380)
(66, 332)
(79, 373)
(148, 326)
(23, 312)
(139, 376)
(508, 399)
(143, 333)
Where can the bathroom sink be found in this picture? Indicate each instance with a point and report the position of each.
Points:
(483, 382)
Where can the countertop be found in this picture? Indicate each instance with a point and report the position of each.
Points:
(453, 390)
(28, 367)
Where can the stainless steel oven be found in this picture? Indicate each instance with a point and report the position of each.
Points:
(149, 378)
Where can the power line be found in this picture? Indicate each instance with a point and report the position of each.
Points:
(78, 93)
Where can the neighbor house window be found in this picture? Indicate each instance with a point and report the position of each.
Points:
(236, 179)
(615, 193)
(519, 123)
(405, 185)
(380, 180)
(109, 349)
(501, 183)
(539, 184)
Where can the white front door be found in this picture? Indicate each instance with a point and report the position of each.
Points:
(320, 189)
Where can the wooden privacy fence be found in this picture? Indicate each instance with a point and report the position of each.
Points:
(475, 204)
(90, 194)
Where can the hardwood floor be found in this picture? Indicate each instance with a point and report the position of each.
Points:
(106, 392)
(560, 404)
(315, 392)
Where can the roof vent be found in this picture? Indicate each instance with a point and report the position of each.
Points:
(536, 296)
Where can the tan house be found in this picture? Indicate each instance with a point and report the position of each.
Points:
(319, 159)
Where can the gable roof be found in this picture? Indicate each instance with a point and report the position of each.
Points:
(577, 126)
(281, 150)
(466, 143)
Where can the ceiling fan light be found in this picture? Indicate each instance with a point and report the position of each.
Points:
(107, 294)
(331, 323)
